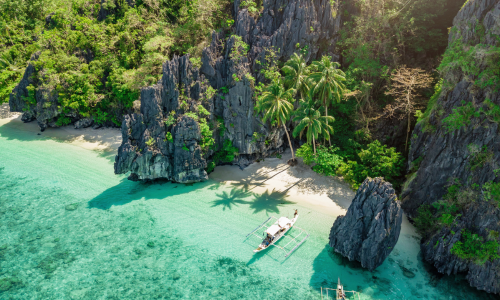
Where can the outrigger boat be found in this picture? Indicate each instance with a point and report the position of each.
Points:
(276, 231)
(340, 293)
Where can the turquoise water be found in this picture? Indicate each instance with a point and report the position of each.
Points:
(71, 229)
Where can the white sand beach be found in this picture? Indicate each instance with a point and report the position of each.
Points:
(298, 184)
(102, 139)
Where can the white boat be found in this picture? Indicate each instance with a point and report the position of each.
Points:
(276, 231)
(340, 293)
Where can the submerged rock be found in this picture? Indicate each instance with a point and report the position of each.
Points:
(370, 229)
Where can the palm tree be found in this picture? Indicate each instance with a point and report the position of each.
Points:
(296, 74)
(276, 103)
(311, 121)
(327, 81)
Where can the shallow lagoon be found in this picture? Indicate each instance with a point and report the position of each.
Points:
(71, 229)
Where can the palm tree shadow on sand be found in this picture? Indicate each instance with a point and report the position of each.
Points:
(233, 198)
(269, 202)
(248, 183)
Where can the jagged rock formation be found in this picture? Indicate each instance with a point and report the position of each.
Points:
(283, 26)
(42, 102)
(371, 227)
(466, 154)
(40, 105)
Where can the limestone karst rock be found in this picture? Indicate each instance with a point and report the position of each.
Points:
(370, 229)
(442, 155)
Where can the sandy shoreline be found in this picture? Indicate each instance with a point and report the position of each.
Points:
(102, 139)
(299, 184)
(273, 176)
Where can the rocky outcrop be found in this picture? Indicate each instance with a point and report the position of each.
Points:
(222, 85)
(37, 100)
(459, 145)
(370, 229)
(109, 7)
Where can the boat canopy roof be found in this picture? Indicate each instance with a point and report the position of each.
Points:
(273, 229)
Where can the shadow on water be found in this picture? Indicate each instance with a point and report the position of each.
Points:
(233, 198)
(127, 191)
(269, 202)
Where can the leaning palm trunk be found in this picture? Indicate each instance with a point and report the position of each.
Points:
(314, 144)
(326, 112)
(289, 141)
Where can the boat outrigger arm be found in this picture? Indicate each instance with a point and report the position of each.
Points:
(294, 242)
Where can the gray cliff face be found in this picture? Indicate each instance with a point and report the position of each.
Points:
(371, 227)
(451, 156)
(183, 87)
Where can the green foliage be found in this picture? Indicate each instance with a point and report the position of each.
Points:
(491, 192)
(251, 5)
(98, 67)
(170, 119)
(492, 111)
(460, 117)
(276, 104)
(220, 126)
(169, 137)
(375, 161)
(210, 167)
(202, 111)
(425, 221)
(185, 148)
(196, 61)
(207, 140)
(306, 152)
(256, 137)
(150, 142)
(327, 161)
(312, 122)
(416, 164)
(452, 192)
(432, 103)
(466, 58)
(227, 153)
(479, 156)
(473, 247)
(209, 93)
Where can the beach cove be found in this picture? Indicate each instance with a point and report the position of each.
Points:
(71, 229)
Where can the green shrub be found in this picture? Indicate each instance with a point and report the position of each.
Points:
(478, 157)
(170, 119)
(460, 117)
(431, 105)
(376, 161)
(210, 167)
(473, 247)
(306, 152)
(493, 111)
(425, 221)
(327, 161)
(169, 137)
(150, 142)
(227, 153)
(491, 191)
